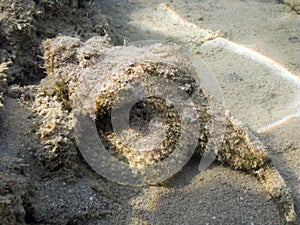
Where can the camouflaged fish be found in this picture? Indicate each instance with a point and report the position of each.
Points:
(89, 77)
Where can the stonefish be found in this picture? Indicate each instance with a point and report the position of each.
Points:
(149, 111)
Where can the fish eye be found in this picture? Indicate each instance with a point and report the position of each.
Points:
(87, 57)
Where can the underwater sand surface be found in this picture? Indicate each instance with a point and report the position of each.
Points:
(253, 49)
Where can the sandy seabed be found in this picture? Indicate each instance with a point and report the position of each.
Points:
(255, 93)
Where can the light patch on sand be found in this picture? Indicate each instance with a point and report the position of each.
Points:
(275, 67)
(278, 122)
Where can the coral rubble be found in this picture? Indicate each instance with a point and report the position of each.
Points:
(24, 24)
(3, 81)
